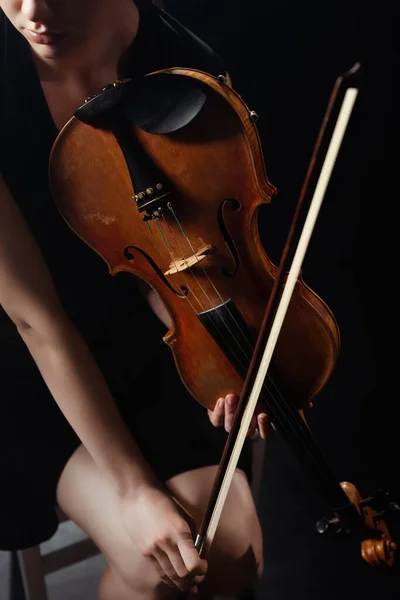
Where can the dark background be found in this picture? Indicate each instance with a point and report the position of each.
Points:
(284, 57)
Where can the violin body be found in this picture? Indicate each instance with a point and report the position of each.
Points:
(189, 229)
(201, 252)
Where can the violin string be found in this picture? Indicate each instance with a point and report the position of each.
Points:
(187, 285)
(153, 236)
(281, 406)
(285, 412)
(163, 237)
(179, 289)
(187, 239)
(158, 248)
(185, 282)
(179, 273)
(187, 264)
(232, 333)
(221, 318)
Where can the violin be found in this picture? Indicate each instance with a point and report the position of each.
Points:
(163, 176)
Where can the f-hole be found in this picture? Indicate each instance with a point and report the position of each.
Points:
(129, 255)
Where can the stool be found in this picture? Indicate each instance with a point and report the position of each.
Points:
(34, 566)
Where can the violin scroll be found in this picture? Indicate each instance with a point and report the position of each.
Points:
(377, 546)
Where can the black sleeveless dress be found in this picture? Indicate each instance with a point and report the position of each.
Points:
(173, 431)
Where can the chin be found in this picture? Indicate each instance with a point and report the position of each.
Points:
(50, 52)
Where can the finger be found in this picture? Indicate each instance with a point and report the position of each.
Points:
(216, 416)
(160, 570)
(230, 409)
(167, 572)
(264, 426)
(190, 572)
(195, 566)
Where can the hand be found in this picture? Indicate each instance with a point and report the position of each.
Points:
(163, 531)
(224, 412)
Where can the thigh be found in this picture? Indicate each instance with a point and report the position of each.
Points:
(236, 554)
(89, 499)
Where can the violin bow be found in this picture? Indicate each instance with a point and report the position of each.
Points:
(378, 548)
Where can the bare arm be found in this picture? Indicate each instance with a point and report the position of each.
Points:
(65, 362)
(78, 387)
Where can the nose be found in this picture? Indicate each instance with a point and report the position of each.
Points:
(36, 11)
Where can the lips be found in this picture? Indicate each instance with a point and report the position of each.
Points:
(48, 38)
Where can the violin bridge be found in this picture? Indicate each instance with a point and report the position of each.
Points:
(185, 263)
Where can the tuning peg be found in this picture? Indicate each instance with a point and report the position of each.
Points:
(325, 524)
(394, 507)
(378, 501)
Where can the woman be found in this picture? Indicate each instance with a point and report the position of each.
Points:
(138, 485)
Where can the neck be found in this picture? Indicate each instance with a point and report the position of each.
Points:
(97, 59)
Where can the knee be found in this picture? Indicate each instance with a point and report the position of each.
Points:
(231, 574)
(239, 576)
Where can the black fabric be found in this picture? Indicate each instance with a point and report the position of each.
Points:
(124, 335)
(163, 42)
